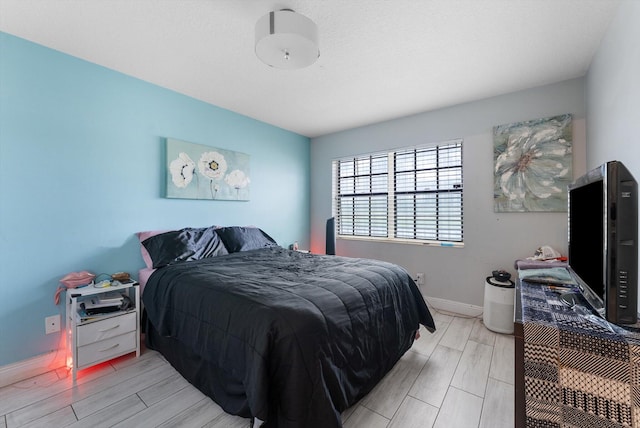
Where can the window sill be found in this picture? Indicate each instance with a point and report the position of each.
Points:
(402, 241)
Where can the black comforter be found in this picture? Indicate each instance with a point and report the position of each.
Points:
(294, 338)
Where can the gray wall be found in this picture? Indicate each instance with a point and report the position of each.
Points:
(613, 89)
(613, 93)
(491, 240)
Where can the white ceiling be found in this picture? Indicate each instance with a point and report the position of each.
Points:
(379, 59)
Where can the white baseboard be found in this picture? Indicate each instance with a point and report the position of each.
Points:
(35, 366)
(454, 307)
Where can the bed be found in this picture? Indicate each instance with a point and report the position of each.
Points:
(290, 338)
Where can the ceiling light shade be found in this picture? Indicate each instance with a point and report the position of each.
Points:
(285, 39)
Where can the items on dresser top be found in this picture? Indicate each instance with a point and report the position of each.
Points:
(552, 275)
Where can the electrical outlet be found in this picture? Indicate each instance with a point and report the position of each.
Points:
(420, 278)
(52, 324)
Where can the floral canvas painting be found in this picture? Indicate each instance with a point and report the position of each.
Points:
(195, 171)
(533, 165)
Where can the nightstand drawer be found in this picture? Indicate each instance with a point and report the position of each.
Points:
(104, 329)
(106, 349)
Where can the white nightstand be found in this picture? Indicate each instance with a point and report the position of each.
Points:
(93, 339)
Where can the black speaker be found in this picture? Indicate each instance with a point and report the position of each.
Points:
(331, 236)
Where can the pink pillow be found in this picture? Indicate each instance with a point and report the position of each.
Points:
(145, 254)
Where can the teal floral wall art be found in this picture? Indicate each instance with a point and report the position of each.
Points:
(196, 171)
(533, 165)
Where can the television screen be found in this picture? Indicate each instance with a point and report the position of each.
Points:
(586, 235)
(603, 234)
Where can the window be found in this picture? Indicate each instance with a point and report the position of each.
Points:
(412, 194)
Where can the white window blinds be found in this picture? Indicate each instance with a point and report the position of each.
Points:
(408, 194)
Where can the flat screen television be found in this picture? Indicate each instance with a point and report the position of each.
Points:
(603, 235)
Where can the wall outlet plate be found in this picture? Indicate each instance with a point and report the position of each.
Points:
(420, 278)
(52, 324)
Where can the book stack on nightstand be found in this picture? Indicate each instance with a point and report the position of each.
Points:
(102, 323)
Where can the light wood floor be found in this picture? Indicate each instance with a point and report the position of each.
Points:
(460, 376)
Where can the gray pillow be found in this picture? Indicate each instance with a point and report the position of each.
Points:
(236, 238)
(183, 245)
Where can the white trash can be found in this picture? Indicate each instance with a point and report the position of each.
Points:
(498, 305)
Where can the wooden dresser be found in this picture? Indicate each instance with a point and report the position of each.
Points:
(572, 370)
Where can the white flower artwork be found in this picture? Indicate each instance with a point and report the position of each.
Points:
(208, 179)
(212, 165)
(237, 179)
(533, 165)
(182, 169)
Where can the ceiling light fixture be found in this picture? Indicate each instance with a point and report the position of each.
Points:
(288, 40)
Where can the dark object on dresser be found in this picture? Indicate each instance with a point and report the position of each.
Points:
(603, 240)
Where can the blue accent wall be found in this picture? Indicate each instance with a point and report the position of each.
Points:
(82, 170)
